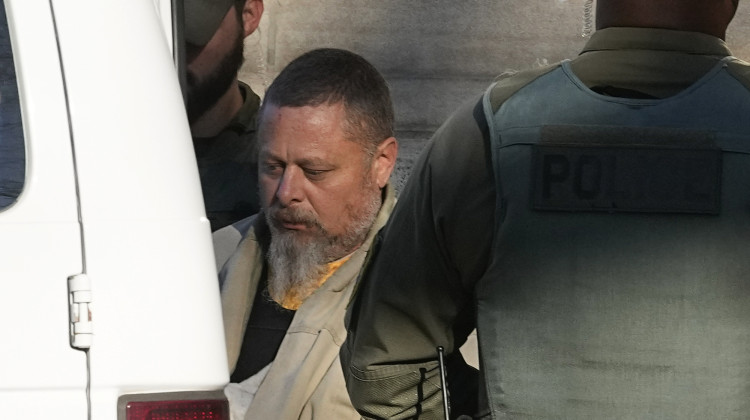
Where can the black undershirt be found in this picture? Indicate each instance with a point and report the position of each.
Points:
(265, 331)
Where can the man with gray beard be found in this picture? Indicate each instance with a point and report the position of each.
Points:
(326, 152)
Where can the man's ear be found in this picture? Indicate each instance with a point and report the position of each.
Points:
(385, 160)
(251, 14)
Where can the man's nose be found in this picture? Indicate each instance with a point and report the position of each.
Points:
(290, 189)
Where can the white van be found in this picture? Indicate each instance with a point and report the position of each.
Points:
(110, 304)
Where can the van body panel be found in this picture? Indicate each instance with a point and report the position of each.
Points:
(112, 191)
(164, 334)
(41, 376)
(126, 83)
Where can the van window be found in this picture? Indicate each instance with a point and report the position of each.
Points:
(12, 151)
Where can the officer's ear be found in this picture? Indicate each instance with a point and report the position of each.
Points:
(251, 14)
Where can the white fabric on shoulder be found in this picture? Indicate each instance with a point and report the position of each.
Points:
(241, 395)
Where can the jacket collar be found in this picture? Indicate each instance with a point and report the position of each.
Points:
(617, 38)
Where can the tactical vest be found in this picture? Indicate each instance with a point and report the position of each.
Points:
(620, 281)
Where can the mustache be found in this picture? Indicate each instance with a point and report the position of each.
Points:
(277, 216)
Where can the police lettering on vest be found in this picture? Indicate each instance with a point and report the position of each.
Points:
(626, 169)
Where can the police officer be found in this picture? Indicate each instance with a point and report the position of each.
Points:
(591, 220)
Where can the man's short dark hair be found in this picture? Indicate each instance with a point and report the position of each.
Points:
(330, 76)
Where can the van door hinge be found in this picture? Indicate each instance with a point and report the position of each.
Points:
(79, 301)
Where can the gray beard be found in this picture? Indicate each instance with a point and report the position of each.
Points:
(294, 266)
(296, 262)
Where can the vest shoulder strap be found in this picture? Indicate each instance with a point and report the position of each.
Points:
(507, 84)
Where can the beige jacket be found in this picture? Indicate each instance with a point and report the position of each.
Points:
(305, 381)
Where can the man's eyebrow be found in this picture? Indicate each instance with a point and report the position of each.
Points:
(313, 161)
(268, 155)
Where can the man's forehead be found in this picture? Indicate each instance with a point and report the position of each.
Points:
(318, 127)
(302, 157)
(272, 113)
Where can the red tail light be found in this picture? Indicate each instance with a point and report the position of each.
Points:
(178, 410)
(173, 407)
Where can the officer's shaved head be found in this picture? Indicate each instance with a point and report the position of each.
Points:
(707, 16)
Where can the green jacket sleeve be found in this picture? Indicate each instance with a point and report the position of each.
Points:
(416, 292)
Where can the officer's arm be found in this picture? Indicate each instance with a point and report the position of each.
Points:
(412, 297)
